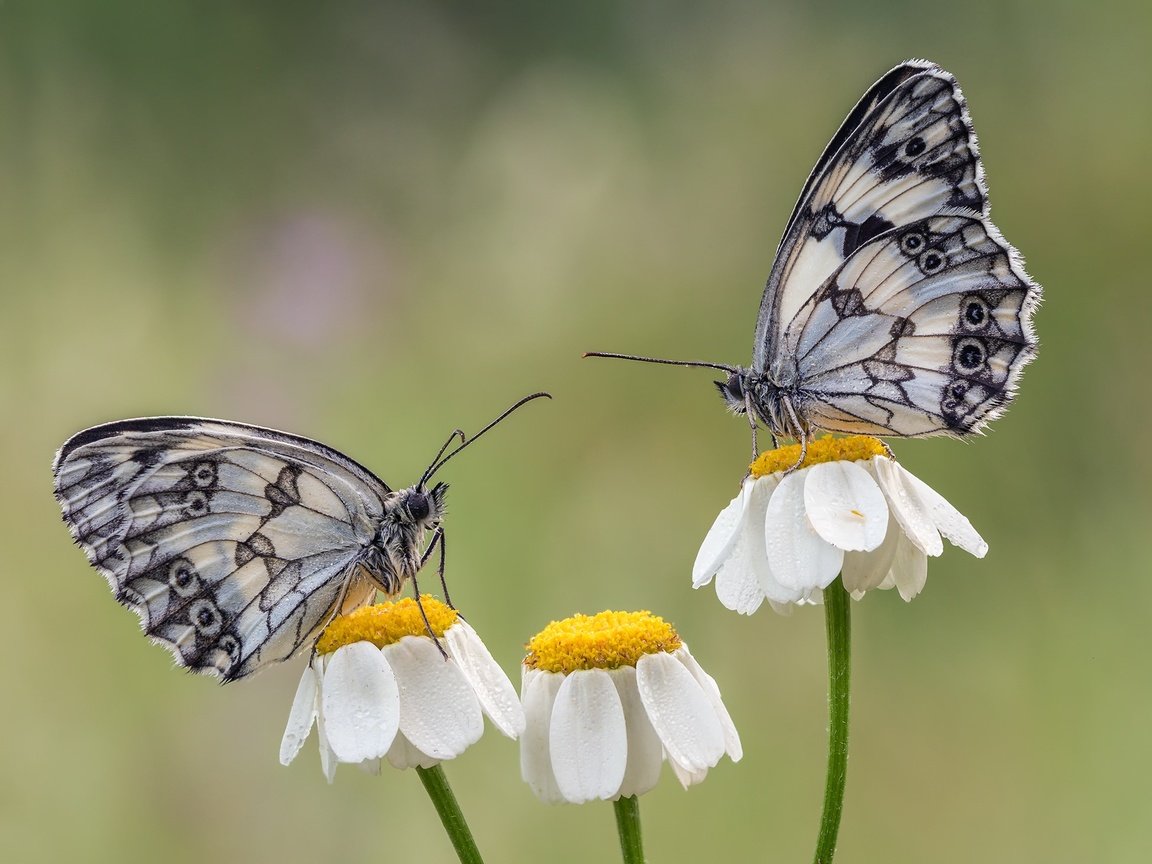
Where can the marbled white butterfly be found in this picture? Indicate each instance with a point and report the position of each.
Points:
(236, 545)
(894, 305)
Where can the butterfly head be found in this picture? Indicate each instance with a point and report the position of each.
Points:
(421, 507)
(733, 391)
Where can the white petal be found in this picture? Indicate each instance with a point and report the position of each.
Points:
(720, 539)
(948, 519)
(588, 739)
(743, 575)
(645, 753)
(845, 506)
(371, 766)
(496, 694)
(864, 571)
(305, 706)
(360, 703)
(538, 692)
(707, 683)
(328, 760)
(439, 712)
(402, 754)
(686, 777)
(801, 559)
(910, 510)
(909, 569)
(680, 711)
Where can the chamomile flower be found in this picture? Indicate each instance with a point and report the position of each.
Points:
(379, 687)
(850, 509)
(608, 698)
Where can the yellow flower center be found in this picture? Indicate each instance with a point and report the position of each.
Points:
(386, 623)
(606, 640)
(856, 448)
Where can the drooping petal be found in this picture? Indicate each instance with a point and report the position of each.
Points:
(328, 760)
(801, 560)
(745, 578)
(360, 703)
(950, 521)
(402, 754)
(439, 712)
(680, 711)
(732, 745)
(538, 692)
(372, 766)
(685, 776)
(845, 506)
(588, 740)
(911, 512)
(864, 571)
(305, 706)
(645, 753)
(909, 569)
(720, 539)
(496, 694)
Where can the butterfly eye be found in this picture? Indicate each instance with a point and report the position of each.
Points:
(932, 261)
(418, 506)
(912, 242)
(915, 147)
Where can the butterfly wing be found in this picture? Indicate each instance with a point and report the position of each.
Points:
(906, 151)
(234, 544)
(922, 331)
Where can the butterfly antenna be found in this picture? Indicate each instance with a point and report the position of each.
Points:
(442, 457)
(658, 360)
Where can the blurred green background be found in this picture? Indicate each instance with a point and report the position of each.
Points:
(370, 223)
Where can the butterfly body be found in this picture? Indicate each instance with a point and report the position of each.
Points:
(236, 544)
(396, 552)
(894, 306)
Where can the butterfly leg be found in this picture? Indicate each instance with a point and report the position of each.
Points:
(424, 615)
(752, 424)
(798, 429)
(442, 540)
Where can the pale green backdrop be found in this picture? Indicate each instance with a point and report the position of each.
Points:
(370, 223)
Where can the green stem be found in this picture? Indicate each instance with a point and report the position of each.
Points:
(628, 824)
(837, 618)
(436, 785)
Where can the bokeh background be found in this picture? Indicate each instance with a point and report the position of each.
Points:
(372, 222)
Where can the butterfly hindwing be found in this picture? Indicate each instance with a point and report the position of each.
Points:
(922, 331)
(234, 544)
(906, 152)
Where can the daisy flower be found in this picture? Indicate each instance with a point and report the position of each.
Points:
(851, 509)
(608, 698)
(378, 687)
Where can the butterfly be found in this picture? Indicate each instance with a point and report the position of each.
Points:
(894, 306)
(236, 545)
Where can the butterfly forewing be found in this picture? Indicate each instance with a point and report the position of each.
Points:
(906, 152)
(234, 544)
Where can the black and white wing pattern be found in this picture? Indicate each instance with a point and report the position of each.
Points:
(921, 332)
(234, 544)
(894, 305)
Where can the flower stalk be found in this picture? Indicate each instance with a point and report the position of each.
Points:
(838, 622)
(443, 799)
(628, 825)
